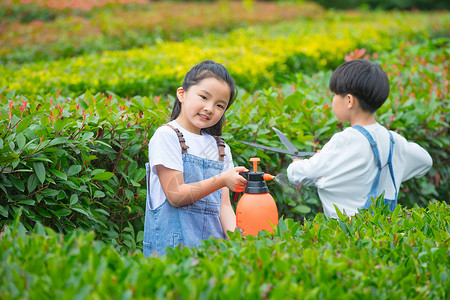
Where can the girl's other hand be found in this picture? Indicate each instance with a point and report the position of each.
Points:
(234, 181)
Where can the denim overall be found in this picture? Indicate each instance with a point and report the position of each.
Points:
(169, 226)
(373, 191)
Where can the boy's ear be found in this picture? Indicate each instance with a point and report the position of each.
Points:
(180, 94)
(351, 101)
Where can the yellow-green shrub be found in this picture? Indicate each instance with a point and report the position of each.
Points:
(256, 56)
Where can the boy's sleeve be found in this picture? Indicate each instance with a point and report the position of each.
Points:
(165, 149)
(308, 171)
(417, 161)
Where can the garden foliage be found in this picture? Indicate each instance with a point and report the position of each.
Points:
(257, 56)
(79, 162)
(75, 28)
(376, 255)
(74, 138)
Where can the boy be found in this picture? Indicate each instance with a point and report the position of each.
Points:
(354, 165)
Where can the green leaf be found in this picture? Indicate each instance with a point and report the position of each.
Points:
(57, 141)
(3, 188)
(18, 183)
(3, 211)
(59, 124)
(24, 124)
(20, 140)
(129, 194)
(302, 209)
(50, 192)
(40, 171)
(40, 159)
(134, 149)
(73, 170)
(81, 210)
(62, 212)
(339, 213)
(9, 158)
(73, 199)
(43, 212)
(32, 183)
(97, 171)
(140, 236)
(103, 176)
(59, 174)
(26, 201)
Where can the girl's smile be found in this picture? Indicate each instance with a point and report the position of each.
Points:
(203, 105)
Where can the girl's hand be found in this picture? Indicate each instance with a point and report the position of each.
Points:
(234, 181)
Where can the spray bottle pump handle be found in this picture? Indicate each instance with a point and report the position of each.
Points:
(255, 163)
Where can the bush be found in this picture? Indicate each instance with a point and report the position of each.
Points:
(374, 255)
(386, 4)
(77, 163)
(257, 57)
(74, 31)
(80, 162)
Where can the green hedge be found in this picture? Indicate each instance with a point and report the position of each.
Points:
(72, 32)
(386, 4)
(79, 162)
(257, 56)
(376, 255)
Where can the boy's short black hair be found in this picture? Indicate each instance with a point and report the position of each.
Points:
(364, 80)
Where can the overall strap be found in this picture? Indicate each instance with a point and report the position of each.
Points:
(219, 140)
(373, 190)
(373, 144)
(221, 147)
(184, 147)
(391, 171)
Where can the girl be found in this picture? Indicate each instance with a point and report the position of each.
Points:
(191, 168)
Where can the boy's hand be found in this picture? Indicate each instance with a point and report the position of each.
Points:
(234, 181)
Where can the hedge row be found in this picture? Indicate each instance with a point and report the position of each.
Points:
(376, 255)
(257, 57)
(75, 31)
(79, 162)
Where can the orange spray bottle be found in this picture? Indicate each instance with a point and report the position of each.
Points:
(256, 209)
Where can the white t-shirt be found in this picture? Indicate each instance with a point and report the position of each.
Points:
(165, 149)
(344, 170)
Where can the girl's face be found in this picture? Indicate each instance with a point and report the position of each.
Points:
(203, 105)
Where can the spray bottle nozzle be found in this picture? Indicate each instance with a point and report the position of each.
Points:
(267, 177)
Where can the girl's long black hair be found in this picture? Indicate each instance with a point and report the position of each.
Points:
(207, 69)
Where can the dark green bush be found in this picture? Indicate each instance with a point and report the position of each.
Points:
(385, 4)
(403, 255)
(76, 163)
